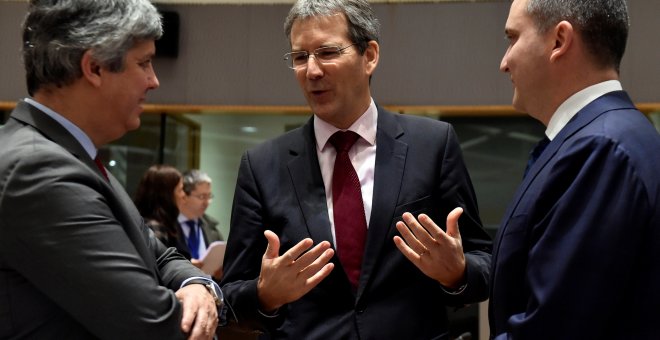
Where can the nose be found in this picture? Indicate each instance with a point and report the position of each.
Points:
(313, 70)
(153, 80)
(154, 84)
(504, 64)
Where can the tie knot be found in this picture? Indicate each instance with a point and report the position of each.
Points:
(191, 224)
(343, 140)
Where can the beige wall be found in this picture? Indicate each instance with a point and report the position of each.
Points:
(431, 53)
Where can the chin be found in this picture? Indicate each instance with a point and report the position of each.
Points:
(132, 125)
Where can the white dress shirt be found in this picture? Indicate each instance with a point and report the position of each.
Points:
(362, 155)
(570, 107)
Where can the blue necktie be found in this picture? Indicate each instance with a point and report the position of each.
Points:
(193, 239)
(536, 153)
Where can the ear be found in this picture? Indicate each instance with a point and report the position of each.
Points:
(91, 69)
(563, 35)
(371, 55)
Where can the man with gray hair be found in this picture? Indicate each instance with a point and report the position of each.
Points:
(199, 229)
(345, 179)
(76, 260)
(577, 254)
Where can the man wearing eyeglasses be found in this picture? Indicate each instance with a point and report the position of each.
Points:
(198, 228)
(313, 251)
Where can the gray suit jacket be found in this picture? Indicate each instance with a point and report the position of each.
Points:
(419, 168)
(76, 260)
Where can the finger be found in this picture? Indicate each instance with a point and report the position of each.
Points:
(189, 314)
(452, 222)
(312, 255)
(294, 253)
(318, 262)
(213, 325)
(200, 329)
(422, 232)
(315, 279)
(408, 252)
(273, 248)
(411, 239)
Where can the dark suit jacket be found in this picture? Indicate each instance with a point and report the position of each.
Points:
(578, 253)
(210, 229)
(76, 261)
(419, 168)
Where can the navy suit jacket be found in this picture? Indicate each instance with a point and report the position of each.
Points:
(578, 252)
(419, 168)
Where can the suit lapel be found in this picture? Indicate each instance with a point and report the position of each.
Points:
(52, 130)
(307, 182)
(608, 102)
(388, 174)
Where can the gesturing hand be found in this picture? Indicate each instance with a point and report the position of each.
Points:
(436, 253)
(287, 278)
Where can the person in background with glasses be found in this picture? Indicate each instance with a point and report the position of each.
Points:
(313, 251)
(198, 229)
(76, 260)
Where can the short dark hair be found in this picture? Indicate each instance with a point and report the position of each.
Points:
(602, 24)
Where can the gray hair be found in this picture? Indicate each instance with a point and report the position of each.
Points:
(193, 177)
(56, 34)
(363, 26)
(602, 24)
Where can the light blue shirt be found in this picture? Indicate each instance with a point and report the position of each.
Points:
(74, 130)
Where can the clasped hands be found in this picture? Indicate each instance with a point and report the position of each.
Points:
(200, 314)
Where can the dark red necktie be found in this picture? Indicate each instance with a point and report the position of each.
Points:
(100, 166)
(348, 208)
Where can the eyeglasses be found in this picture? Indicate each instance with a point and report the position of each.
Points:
(298, 59)
(203, 197)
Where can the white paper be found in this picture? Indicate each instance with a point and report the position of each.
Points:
(215, 254)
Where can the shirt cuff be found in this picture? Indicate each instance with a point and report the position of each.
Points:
(272, 315)
(456, 291)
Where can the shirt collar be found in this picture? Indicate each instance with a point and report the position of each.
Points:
(74, 130)
(183, 219)
(365, 126)
(569, 108)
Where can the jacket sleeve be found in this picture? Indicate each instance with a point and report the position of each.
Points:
(587, 234)
(61, 233)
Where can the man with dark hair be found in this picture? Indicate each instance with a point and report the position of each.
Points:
(76, 260)
(576, 256)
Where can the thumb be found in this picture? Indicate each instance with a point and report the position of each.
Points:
(273, 249)
(452, 222)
